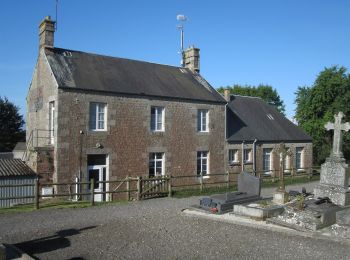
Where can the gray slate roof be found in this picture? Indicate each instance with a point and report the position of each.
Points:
(250, 118)
(14, 167)
(86, 71)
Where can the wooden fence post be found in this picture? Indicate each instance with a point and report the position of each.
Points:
(139, 187)
(36, 193)
(169, 187)
(228, 180)
(201, 181)
(128, 187)
(92, 194)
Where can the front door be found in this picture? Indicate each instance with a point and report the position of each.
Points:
(98, 173)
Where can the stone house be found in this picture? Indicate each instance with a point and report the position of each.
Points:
(254, 131)
(93, 116)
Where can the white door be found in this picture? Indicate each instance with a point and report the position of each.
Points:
(98, 173)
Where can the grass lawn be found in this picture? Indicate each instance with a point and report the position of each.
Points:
(55, 204)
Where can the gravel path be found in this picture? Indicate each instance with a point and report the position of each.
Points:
(153, 229)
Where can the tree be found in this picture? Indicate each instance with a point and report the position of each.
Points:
(11, 123)
(318, 104)
(265, 92)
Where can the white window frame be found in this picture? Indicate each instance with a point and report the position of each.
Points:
(155, 122)
(96, 111)
(286, 165)
(247, 156)
(202, 126)
(267, 151)
(52, 122)
(233, 156)
(299, 152)
(203, 156)
(153, 157)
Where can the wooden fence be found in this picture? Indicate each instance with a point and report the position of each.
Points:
(144, 187)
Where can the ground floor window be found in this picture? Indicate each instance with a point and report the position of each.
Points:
(267, 160)
(156, 164)
(202, 163)
(232, 156)
(299, 151)
(247, 155)
(287, 163)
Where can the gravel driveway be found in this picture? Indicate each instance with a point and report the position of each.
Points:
(153, 229)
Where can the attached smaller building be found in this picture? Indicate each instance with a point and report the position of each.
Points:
(16, 172)
(254, 132)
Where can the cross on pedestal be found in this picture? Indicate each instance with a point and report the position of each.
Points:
(283, 152)
(338, 127)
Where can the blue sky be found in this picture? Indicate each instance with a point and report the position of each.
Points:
(281, 43)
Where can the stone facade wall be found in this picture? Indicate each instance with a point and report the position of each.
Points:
(42, 90)
(237, 167)
(128, 139)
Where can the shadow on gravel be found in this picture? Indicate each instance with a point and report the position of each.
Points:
(50, 243)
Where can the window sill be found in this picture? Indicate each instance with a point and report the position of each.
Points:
(248, 162)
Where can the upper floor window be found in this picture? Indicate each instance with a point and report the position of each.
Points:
(156, 164)
(232, 156)
(247, 155)
(202, 163)
(203, 120)
(299, 164)
(157, 119)
(98, 116)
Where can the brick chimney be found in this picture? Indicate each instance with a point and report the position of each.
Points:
(191, 59)
(46, 32)
(227, 94)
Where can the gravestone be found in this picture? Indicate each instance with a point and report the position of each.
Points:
(249, 188)
(334, 172)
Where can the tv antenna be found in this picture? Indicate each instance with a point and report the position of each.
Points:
(181, 18)
(56, 15)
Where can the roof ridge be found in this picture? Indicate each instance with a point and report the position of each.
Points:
(236, 95)
(113, 57)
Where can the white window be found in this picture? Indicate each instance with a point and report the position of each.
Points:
(98, 116)
(267, 160)
(287, 163)
(202, 163)
(157, 119)
(203, 120)
(247, 155)
(299, 164)
(232, 156)
(156, 164)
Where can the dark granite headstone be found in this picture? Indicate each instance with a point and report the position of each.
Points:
(249, 188)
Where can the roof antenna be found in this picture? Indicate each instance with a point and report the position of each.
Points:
(56, 15)
(181, 18)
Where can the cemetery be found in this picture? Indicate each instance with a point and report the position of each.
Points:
(323, 211)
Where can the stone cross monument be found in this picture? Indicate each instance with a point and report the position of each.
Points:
(338, 127)
(334, 182)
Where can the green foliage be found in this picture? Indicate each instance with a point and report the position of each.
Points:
(11, 123)
(265, 92)
(318, 104)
